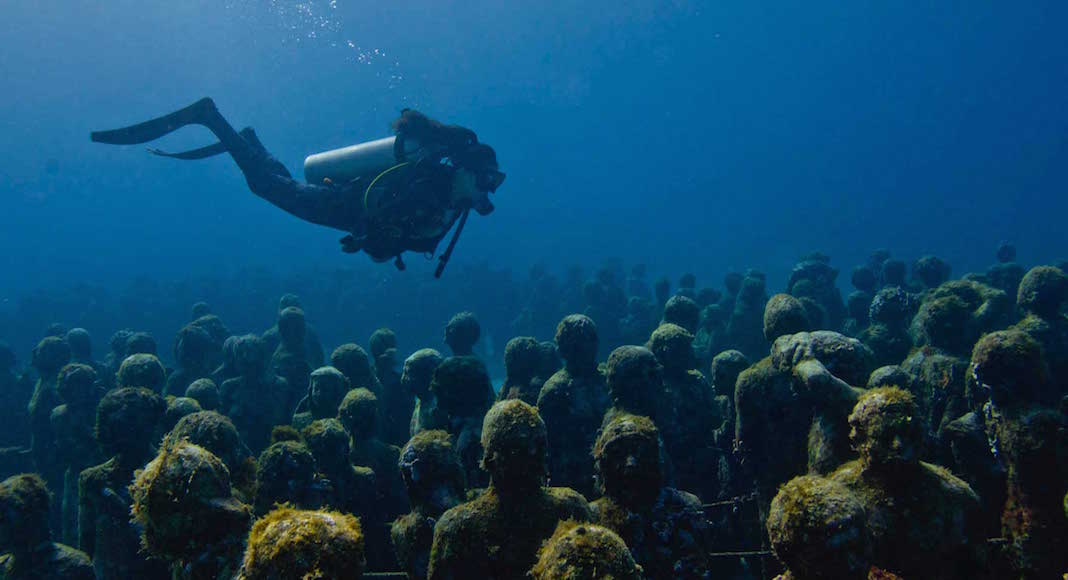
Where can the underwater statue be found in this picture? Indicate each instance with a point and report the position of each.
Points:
(1042, 294)
(435, 482)
(188, 515)
(313, 348)
(462, 332)
(72, 425)
(49, 357)
(326, 389)
(197, 355)
(287, 473)
(398, 194)
(1030, 439)
(396, 402)
(25, 538)
(498, 534)
(523, 357)
(689, 413)
(572, 403)
(290, 543)
(416, 378)
(217, 434)
(358, 414)
(664, 527)
(462, 393)
(913, 507)
(255, 399)
(579, 551)
(142, 370)
(126, 419)
(818, 529)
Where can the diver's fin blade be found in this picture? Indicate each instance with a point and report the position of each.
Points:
(200, 153)
(155, 128)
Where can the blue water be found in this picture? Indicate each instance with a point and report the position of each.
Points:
(692, 136)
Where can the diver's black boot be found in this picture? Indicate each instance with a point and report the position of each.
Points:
(200, 112)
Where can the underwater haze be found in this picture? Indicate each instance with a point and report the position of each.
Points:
(748, 290)
(689, 136)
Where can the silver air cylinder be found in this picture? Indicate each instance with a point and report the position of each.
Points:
(361, 160)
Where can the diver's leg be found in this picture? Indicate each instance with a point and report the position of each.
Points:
(327, 206)
(265, 175)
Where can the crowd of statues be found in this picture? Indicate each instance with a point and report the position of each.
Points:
(917, 428)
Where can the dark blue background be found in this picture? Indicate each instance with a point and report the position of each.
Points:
(690, 135)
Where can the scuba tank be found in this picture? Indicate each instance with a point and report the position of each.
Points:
(361, 160)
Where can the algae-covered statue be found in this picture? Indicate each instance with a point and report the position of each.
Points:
(290, 543)
(326, 389)
(498, 535)
(522, 365)
(290, 360)
(142, 370)
(286, 473)
(572, 403)
(358, 414)
(462, 332)
(462, 392)
(416, 378)
(635, 382)
(126, 420)
(50, 355)
(395, 401)
(1031, 440)
(188, 514)
(197, 354)
(665, 528)
(255, 399)
(393, 195)
(72, 425)
(689, 414)
(579, 551)
(921, 517)
(435, 482)
(217, 434)
(818, 529)
(25, 539)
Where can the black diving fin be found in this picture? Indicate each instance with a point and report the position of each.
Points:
(201, 153)
(158, 127)
(208, 151)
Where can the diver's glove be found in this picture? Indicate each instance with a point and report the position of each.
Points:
(350, 244)
(484, 206)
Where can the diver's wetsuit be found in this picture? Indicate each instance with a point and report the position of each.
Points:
(415, 217)
(338, 207)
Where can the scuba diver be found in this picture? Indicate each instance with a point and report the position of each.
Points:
(392, 195)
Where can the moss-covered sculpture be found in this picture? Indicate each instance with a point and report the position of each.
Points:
(914, 507)
(25, 539)
(572, 403)
(312, 545)
(665, 528)
(435, 482)
(578, 551)
(498, 534)
(185, 507)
